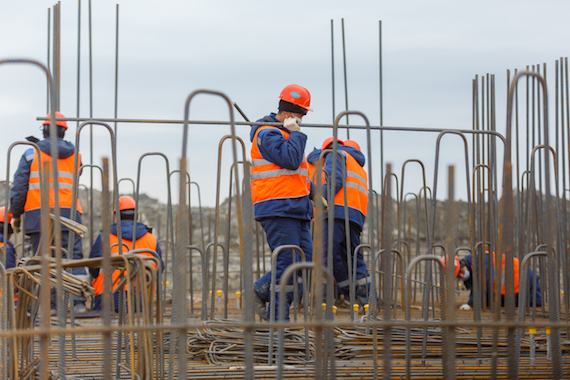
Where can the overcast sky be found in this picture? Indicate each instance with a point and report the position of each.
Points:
(250, 50)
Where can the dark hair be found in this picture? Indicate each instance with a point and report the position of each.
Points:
(128, 214)
(60, 131)
(290, 107)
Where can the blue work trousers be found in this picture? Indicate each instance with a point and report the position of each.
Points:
(340, 264)
(283, 231)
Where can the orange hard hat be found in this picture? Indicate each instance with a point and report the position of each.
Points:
(298, 95)
(457, 265)
(61, 123)
(329, 141)
(126, 203)
(3, 216)
(352, 143)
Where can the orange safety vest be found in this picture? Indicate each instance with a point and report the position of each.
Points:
(64, 182)
(271, 181)
(502, 278)
(356, 186)
(148, 241)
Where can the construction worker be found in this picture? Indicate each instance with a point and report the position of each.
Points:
(25, 194)
(280, 194)
(10, 252)
(144, 239)
(464, 271)
(357, 202)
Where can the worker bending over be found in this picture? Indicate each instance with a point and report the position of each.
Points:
(25, 194)
(464, 272)
(279, 188)
(143, 238)
(357, 202)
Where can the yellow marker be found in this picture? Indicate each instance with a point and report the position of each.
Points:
(334, 309)
(532, 330)
(167, 283)
(210, 293)
(355, 307)
(219, 293)
(238, 294)
(548, 331)
(324, 306)
(366, 308)
(562, 291)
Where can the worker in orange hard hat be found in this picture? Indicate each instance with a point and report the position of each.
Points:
(464, 271)
(280, 194)
(5, 220)
(357, 203)
(130, 230)
(25, 193)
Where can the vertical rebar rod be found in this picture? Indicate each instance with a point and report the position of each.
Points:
(380, 85)
(48, 55)
(107, 271)
(117, 68)
(345, 79)
(332, 70)
(386, 268)
(91, 161)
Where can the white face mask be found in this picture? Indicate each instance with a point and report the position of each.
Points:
(467, 275)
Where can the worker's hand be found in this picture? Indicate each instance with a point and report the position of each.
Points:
(291, 124)
(16, 224)
(465, 307)
(325, 204)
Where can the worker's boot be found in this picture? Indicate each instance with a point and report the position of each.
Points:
(260, 305)
(79, 307)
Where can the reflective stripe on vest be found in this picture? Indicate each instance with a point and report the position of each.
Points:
(148, 241)
(64, 182)
(356, 185)
(271, 181)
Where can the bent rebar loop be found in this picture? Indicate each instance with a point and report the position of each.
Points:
(200, 211)
(434, 201)
(370, 211)
(246, 237)
(226, 261)
(284, 287)
(53, 139)
(330, 225)
(533, 187)
(409, 269)
(217, 224)
(291, 269)
(401, 269)
(523, 289)
(76, 179)
(424, 186)
(118, 193)
(169, 199)
(507, 224)
(7, 192)
(204, 287)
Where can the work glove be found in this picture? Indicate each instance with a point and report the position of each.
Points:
(16, 224)
(291, 124)
(465, 307)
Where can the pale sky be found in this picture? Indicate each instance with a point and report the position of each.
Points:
(250, 50)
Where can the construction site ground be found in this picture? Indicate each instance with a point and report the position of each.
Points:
(217, 352)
